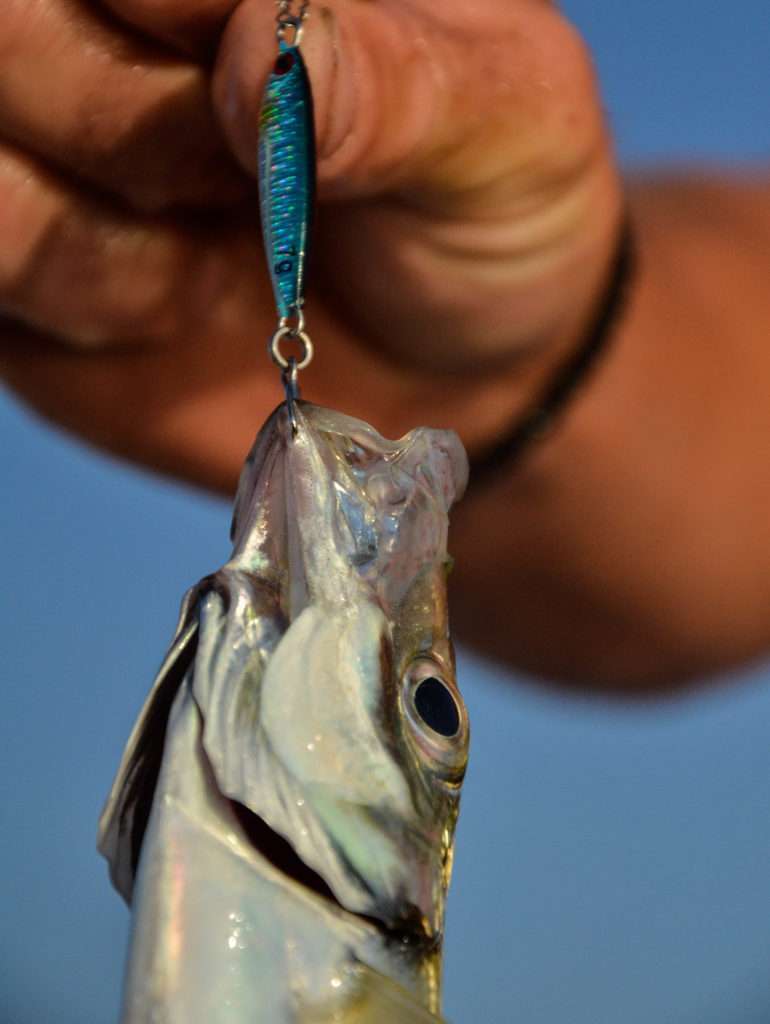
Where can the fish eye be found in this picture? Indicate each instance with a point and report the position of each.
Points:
(436, 714)
(436, 706)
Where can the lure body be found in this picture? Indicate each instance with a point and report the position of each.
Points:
(282, 822)
(287, 176)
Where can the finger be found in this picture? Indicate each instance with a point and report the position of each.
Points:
(192, 26)
(457, 105)
(190, 415)
(114, 110)
(93, 275)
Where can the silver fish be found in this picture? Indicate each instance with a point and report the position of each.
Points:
(282, 821)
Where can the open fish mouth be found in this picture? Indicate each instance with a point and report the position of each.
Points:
(409, 931)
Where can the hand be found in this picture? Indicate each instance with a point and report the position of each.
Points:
(469, 206)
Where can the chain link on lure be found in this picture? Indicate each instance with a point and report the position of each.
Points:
(287, 191)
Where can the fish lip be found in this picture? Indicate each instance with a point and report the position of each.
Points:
(408, 929)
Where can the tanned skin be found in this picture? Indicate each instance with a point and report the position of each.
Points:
(470, 205)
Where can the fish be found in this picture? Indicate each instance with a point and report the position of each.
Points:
(282, 821)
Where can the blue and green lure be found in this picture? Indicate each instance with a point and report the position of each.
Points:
(287, 177)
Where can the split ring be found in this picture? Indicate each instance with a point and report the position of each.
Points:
(290, 332)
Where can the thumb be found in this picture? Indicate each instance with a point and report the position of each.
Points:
(444, 104)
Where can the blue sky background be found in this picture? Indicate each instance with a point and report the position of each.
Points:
(613, 863)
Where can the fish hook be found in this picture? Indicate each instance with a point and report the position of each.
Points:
(290, 378)
(290, 366)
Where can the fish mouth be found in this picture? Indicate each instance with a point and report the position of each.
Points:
(409, 929)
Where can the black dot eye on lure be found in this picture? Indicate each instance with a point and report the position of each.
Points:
(283, 64)
(437, 707)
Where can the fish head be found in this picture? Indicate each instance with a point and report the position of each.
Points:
(286, 803)
(358, 740)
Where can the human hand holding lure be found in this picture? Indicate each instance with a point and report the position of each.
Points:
(467, 217)
(469, 205)
(282, 821)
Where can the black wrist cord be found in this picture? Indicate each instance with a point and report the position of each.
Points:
(541, 415)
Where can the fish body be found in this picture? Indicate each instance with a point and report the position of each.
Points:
(286, 169)
(282, 822)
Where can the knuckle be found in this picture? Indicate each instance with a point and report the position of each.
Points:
(192, 27)
(29, 216)
(130, 138)
(148, 303)
(567, 56)
(105, 106)
(123, 293)
(152, 15)
(73, 268)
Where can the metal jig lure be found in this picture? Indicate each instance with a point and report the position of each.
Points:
(287, 191)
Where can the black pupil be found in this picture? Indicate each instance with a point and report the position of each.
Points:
(284, 63)
(437, 707)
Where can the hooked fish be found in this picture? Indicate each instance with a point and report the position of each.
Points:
(282, 821)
